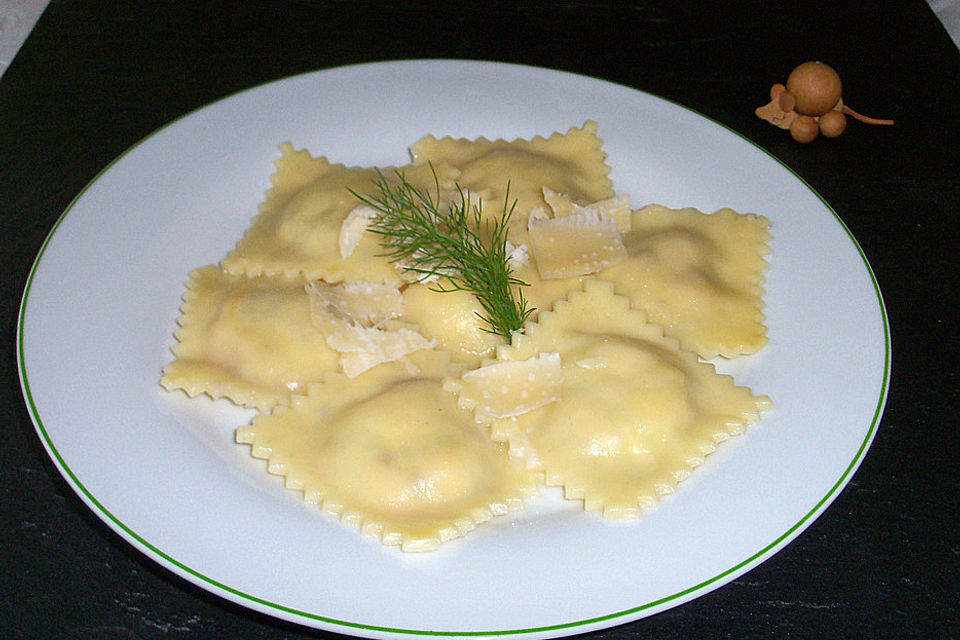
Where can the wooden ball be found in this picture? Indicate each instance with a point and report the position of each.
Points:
(816, 87)
(832, 124)
(787, 102)
(804, 129)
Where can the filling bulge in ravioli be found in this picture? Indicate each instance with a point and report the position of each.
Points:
(391, 453)
(247, 339)
(624, 424)
(298, 229)
(572, 163)
(453, 319)
(633, 419)
(528, 173)
(635, 412)
(698, 275)
(423, 463)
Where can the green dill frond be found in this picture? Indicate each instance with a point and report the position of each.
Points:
(417, 235)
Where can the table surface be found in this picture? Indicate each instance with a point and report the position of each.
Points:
(882, 561)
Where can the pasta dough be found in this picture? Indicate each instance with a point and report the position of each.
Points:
(389, 452)
(247, 339)
(297, 232)
(700, 276)
(451, 319)
(572, 164)
(636, 412)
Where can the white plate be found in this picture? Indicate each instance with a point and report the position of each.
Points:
(162, 471)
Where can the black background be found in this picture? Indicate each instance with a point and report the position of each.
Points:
(882, 562)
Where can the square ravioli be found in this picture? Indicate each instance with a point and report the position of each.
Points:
(297, 230)
(251, 340)
(629, 413)
(571, 163)
(390, 453)
(394, 406)
(699, 275)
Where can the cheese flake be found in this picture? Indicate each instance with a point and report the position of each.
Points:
(363, 348)
(353, 228)
(363, 303)
(352, 317)
(507, 389)
(616, 209)
(575, 245)
(517, 255)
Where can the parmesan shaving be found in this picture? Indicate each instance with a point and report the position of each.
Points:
(363, 348)
(517, 255)
(616, 209)
(353, 228)
(575, 245)
(561, 205)
(363, 303)
(508, 389)
(536, 215)
(351, 318)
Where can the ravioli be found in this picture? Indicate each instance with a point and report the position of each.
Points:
(571, 163)
(700, 276)
(297, 230)
(390, 453)
(247, 339)
(636, 413)
(395, 408)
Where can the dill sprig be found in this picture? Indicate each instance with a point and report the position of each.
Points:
(422, 239)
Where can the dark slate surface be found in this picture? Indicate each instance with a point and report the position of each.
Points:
(882, 562)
